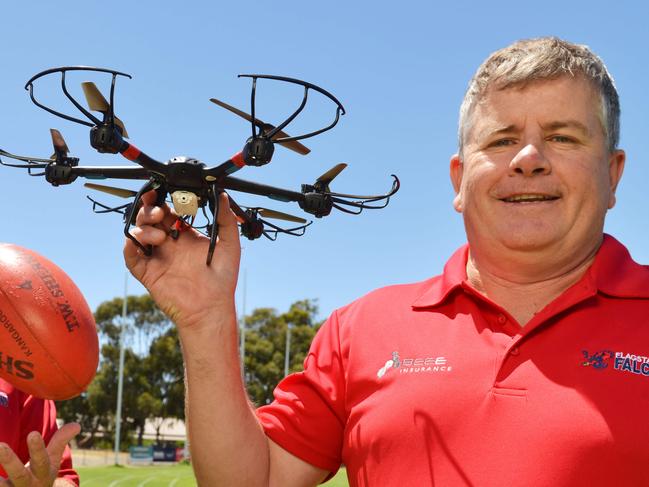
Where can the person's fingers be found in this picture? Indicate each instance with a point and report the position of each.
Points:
(149, 198)
(60, 440)
(149, 214)
(149, 235)
(18, 475)
(39, 460)
(228, 228)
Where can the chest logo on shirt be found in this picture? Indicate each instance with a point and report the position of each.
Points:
(622, 361)
(598, 360)
(415, 365)
(4, 399)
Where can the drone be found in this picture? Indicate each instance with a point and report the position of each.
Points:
(188, 182)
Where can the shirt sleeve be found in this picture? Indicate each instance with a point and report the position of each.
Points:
(40, 415)
(307, 417)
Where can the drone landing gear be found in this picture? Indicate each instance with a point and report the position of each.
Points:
(178, 227)
(132, 212)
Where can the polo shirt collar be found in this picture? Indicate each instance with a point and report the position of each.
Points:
(616, 274)
(438, 288)
(613, 273)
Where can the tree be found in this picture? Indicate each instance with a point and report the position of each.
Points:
(95, 409)
(154, 374)
(266, 346)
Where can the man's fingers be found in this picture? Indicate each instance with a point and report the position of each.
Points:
(15, 469)
(60, 440)
(149, 215)
(228, 228)
(148, 235)
(152, 215)
(39, 460)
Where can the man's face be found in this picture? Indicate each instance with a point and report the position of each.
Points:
(536, 173)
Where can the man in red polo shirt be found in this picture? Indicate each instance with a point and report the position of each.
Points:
(525, 363)
(27, 424)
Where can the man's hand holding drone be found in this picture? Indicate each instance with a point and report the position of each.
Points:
(176, 275)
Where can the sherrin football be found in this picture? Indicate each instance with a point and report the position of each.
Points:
(48, 338)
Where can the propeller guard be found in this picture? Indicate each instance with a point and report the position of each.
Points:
(94, 121)
(258, 132)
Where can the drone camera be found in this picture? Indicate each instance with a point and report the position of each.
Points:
(258, 151)
(185, 203)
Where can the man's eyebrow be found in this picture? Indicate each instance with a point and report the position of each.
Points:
(570, 124)
(502, 130)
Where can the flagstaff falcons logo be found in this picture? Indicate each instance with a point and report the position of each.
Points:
(632, 363)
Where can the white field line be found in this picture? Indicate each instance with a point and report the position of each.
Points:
(146, 480)
(182, 477)
(96, 479)
(119, 481)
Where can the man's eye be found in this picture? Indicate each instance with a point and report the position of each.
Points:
(502, 143)
(562, 139)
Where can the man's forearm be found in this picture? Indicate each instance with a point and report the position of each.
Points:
(228, 446)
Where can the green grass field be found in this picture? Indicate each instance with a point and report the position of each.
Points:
(157, 476)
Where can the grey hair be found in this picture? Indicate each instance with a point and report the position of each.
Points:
(545, 58)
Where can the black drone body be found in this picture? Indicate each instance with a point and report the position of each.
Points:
(191, 184)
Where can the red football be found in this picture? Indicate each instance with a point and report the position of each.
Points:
(48, 337)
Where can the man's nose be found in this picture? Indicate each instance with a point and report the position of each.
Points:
(530, 161)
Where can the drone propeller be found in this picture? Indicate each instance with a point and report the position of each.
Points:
(277, 215)
(293, 145)
(122, 193)
(60, 147)
(324, 180)
(98, 103)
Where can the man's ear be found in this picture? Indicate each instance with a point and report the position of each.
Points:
(457, 171)
(615, 170)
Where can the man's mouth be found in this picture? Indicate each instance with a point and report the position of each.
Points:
(528, 198)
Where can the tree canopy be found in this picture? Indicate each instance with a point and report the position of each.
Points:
(153, 385)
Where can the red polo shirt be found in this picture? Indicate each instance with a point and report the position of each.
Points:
(20, 414)
(433, 384)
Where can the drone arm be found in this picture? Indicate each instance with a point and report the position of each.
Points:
(106, 172)
(272, 192)
(134, 154)
(239, 212)
(230, 166)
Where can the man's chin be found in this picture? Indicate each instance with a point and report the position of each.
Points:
(527, 241)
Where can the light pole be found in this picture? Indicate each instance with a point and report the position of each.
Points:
(287, 354)
(120, 375)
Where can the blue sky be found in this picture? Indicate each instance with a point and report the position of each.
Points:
(400, 69)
